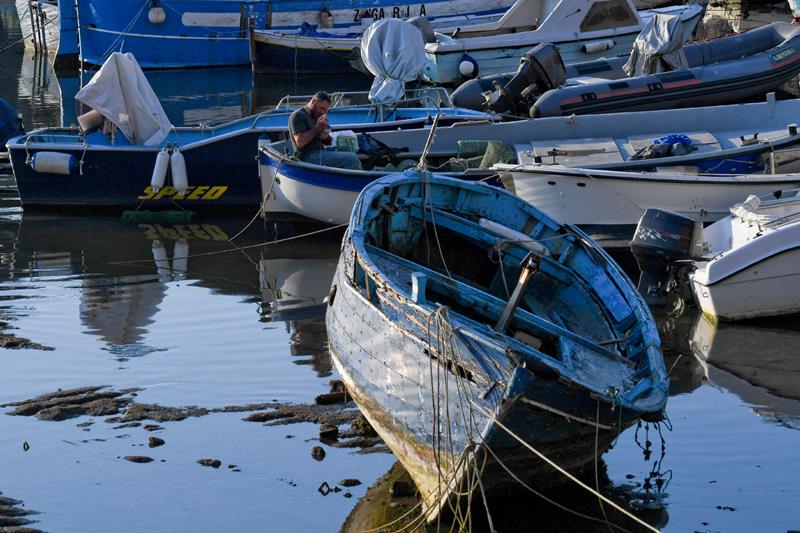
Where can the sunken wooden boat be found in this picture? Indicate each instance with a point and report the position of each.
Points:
(464, 322)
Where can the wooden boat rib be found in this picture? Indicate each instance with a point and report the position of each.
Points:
(433, 349)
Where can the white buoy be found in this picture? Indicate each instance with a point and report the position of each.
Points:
(156, 15)
(466, 68)
(177, 166)
(160, 170)
(180, 258)
(53, 163)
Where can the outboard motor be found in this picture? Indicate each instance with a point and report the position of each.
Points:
(662, 240)
(540, 70)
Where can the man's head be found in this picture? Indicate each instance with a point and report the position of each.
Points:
(319, 104)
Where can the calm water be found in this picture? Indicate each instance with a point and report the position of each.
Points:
(246, 325)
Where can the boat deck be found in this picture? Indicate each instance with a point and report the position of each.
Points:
(604, 150)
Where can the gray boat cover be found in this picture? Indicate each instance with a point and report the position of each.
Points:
(658, 47)
(394, 52)
(121, 93)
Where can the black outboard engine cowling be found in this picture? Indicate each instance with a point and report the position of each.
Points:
(540, 70)
(662, 238)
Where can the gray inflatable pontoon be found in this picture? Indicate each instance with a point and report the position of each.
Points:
(726, 70)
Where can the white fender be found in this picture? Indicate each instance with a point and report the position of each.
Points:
(180, 257)
(160, 170)
(53, 163)
(177, 165)
(594, 47)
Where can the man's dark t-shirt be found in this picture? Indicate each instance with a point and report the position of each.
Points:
(301, 121)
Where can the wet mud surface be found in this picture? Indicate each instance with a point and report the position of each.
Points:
(10, 341)
(341, 423)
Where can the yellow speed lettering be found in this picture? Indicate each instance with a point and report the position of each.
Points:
(180, 231)
(199, 192)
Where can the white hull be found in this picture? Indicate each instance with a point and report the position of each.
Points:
(499, 53)
(285, 195)
(51, 26)
(751, 266)
(768, 288)
(592, 197)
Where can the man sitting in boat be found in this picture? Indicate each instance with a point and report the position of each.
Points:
(309, 131)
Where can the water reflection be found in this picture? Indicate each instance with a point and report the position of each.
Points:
(393, 500)
(686, 373)
(295, 278)
(758, 363)
(193, 97)
(124, 270)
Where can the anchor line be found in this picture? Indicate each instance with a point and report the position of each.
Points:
(218, 252)
(561, 470)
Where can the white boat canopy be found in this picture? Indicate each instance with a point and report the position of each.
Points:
(394, 52)
(121, 93)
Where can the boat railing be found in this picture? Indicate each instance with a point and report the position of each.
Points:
(432, 96)
(45, 137)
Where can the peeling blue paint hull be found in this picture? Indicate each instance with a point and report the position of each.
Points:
(413, 332)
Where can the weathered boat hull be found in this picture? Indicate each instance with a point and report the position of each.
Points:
(389, 375)
(452, 394)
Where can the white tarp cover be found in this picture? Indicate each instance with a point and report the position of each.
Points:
(120, 92)
(394, 51)
(658, 47)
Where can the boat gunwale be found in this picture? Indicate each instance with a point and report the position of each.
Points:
(651, 358)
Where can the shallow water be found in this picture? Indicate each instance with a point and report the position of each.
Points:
(237, 326)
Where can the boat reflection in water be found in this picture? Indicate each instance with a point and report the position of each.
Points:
(759, 364)
(295, 277)
(393, 499)
(124, 269)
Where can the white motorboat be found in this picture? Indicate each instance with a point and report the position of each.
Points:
(580, 29)
(752, 264)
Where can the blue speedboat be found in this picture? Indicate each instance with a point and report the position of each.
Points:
(61, 167)
(196, 33)
(462, 319)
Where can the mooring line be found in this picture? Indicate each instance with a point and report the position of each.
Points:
(218, 252)
(562, 471)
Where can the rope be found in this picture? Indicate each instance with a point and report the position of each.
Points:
(564, 472)
(22, 40)
(278, 241)
(121, 35)
(596, 468)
